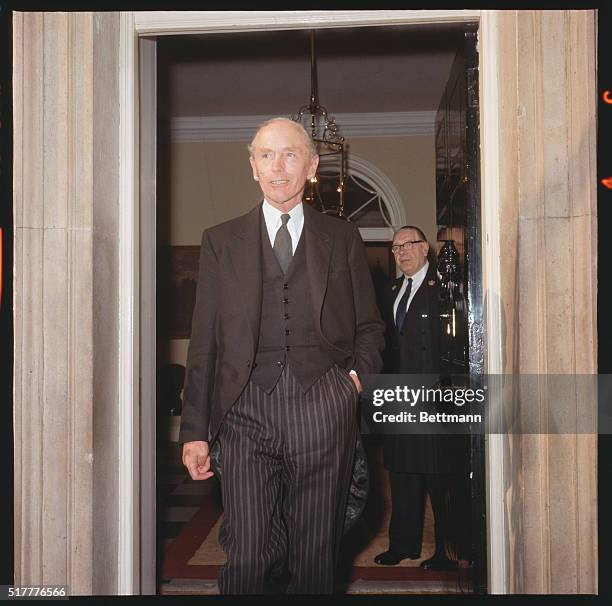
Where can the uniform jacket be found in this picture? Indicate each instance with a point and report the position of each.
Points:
(416, 350)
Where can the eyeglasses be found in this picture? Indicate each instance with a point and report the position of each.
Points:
(408, 244)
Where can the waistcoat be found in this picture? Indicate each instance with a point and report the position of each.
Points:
(287, 332)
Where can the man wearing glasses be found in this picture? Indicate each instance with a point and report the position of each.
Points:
(417, 464)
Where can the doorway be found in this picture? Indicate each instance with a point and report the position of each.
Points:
(200, 132)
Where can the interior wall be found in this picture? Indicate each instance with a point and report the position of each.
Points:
(209, 183)
(409, 162)
(212, 182)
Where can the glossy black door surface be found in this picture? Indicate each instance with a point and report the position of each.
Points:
(459, 250)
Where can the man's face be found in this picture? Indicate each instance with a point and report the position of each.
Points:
(281, 164)
(410, 258)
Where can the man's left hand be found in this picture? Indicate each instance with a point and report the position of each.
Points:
(356, 381)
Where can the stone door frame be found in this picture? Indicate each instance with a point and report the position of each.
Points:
(147, 24)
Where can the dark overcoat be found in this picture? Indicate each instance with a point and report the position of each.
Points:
(416, 350)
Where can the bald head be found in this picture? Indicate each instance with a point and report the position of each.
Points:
(308, 142)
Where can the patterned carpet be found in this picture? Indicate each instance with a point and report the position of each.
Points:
(190, 515)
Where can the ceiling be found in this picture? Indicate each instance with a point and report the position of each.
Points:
(367, 69)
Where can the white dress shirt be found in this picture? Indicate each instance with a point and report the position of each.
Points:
(417, 280)
(272, 217)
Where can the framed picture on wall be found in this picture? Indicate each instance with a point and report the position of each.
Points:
(177, 278)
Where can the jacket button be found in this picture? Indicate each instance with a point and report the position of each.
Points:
(285, 286)
(285, 301)
(286, 316)
(288, 348)
(280, 364)
(287, 331)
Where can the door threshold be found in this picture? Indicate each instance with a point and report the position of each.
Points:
(359, 587)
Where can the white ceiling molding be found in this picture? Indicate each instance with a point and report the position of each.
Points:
(241, 128)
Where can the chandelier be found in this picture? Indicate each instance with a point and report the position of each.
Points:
(325, 190)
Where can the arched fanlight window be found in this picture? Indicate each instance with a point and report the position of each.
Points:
(371, 200)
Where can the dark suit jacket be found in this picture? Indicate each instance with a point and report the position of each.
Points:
(416, 350)
(226, 317)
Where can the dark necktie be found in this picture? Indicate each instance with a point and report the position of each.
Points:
(402, 308)
(282, 244)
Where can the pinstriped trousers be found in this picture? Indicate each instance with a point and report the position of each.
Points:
(303, 443)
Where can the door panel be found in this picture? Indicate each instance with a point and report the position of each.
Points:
(460, 263)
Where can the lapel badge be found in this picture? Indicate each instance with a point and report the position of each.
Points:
(431, 283)
(394, 287)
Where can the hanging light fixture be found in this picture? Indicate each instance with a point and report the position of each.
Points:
(325, 134)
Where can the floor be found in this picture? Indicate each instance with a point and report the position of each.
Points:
(189, 556)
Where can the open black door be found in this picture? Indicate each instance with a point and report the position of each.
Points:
(460, 257)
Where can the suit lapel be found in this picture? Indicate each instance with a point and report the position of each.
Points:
(245, 254)
(318, 241)
(394, 290)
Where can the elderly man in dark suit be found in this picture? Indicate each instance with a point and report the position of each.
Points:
(285, 322)
(418, 464)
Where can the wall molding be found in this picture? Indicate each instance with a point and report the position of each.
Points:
(204, 129)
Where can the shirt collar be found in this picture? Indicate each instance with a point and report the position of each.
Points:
(273, 215)
(420, 275)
